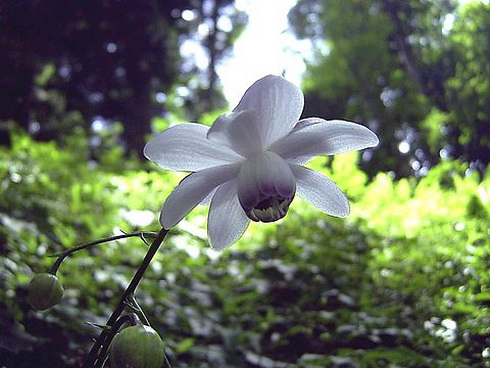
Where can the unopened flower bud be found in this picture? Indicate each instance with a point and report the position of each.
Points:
(137, 346)
(45, 291)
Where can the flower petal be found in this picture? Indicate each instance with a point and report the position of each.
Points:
(264, 176)
(185, 147)
(239, 131)
(192, 190)
(320, 191)
(315, 136)
(207, 200)
(278, 105)
(226, 219)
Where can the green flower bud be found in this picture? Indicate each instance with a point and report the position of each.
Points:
(45, 291)
(137, 346)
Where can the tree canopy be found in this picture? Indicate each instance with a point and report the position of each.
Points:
(415, 71)
(65, 64)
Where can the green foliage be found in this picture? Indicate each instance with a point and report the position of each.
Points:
(403, 282)
(469, 87)
(431, 127)
(414, 71)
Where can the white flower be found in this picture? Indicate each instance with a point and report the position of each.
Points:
(250, 161)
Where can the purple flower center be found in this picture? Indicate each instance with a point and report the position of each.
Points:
(270, 209)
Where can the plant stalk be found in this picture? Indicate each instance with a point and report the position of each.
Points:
(94, 358)
(67, 252)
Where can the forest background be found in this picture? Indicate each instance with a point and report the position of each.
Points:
(402, 282)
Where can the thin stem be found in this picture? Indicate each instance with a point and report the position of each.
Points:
(130, 319)
(102, 340)
(133, 303)
(67, 252)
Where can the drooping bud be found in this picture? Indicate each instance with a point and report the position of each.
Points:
(45, 291)
(137, 346)
(266, 187)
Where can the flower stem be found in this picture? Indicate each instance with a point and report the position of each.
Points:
(93, 356)
(67, 252)
(133, 304)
